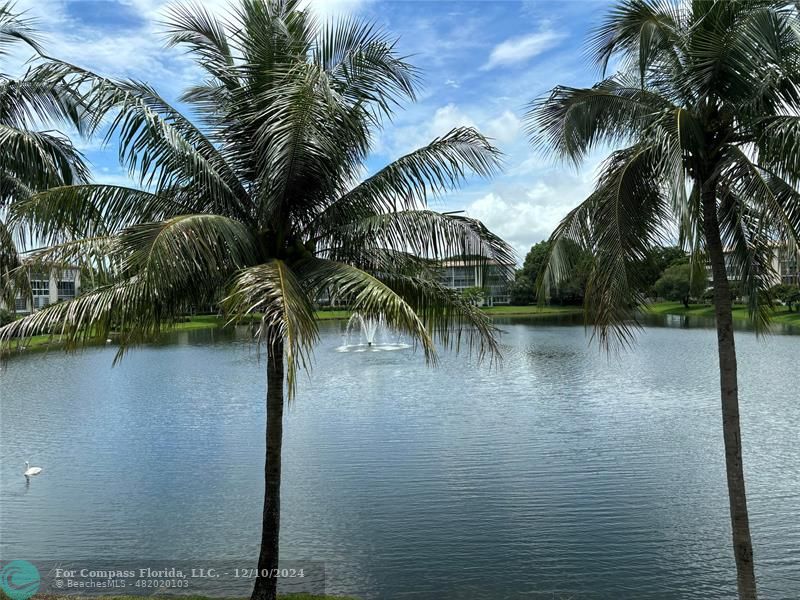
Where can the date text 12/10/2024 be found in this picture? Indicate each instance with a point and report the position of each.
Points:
(203, 578)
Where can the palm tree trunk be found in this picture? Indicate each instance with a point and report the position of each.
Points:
(266, 583)
(740, 524)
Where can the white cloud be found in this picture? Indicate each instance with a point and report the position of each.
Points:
(522, 48)
(521, 221)
(505, 128)
(331, 8)
(449, 117)
(419, 127)
(525, 211)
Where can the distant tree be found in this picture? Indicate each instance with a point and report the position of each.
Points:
(569, 290)
(679, 283)
(6, 317)
(788, 294)
(572, 289)
(656, 261)
(523, 288)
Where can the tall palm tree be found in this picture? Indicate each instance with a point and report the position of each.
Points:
(705, 105)
(260, 203)
(30, 159)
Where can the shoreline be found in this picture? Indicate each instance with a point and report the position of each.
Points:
(781, 316)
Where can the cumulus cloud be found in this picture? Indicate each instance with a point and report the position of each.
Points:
(520, 49)
(505, 129)
(525, 211)
(424, 124)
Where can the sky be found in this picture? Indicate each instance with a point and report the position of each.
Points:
(482, 62)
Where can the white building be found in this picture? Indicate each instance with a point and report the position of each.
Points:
(48, 288)
(785, 266)
(493, 278)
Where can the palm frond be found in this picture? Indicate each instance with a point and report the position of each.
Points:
(9, 262)
(305, 141)
(409, 181)
(749, 255)
(205, 36)
(33, 99)
(179, 252)
(363, 66)
(647, 31)
(619, 223)
(159, 146)
(16, 28)
(774, 199)
(91, 210)
(128, 309)
(571, 121)
(425, 233)
(272, 290)
(40, 159)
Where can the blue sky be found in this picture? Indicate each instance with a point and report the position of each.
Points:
(481, 61)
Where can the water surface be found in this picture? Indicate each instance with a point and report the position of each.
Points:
(563, 474)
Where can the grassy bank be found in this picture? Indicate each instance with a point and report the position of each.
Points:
(780, 315)
(532, 311)
(210, 321)
(197, 322)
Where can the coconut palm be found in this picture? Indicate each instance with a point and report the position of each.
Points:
(30, 158)
(704, 110)
(263, 203)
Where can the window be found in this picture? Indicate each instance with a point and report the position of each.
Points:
(40, 287)
(21, 304)
(464, 277)
(66, 290)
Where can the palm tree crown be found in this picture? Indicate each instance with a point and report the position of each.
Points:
(705, 98)
(261, 198)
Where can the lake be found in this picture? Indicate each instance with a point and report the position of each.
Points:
(564, 473)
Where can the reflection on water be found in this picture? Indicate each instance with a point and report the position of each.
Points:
(562, 474)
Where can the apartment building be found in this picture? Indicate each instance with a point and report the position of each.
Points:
(48, 288)
(493, 278)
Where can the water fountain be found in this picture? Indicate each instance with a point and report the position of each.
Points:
(370, 334)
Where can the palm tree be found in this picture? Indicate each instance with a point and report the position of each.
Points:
(260, 203)
(30, 159)
(705, 106)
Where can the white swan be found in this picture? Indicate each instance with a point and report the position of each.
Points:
(31, 471)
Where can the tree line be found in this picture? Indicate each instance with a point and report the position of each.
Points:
(666, 273)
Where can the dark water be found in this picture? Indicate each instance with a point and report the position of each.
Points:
(564, 474)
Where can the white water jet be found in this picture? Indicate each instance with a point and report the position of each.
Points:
(370, 334)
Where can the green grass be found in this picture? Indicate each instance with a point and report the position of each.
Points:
(781, 314)
(332, 315)
(532, 311)
(210, 321)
